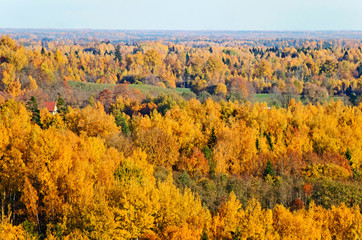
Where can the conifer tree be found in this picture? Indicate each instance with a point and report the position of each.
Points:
(118, 55)
(212, 139)
(62, 109)
(268, 170)
(121, 122)
(32, 106)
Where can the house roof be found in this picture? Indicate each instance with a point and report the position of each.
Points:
(50, 106)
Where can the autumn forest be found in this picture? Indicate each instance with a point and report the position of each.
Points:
(180, 138)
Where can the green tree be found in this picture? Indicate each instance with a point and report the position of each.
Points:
(118, 55)
(269, 170)
(61, 106)
(32, 105)
(121, 122)
(348, 156)
(212, 139)
(359, 70)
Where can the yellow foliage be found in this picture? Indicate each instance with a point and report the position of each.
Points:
(10, 232)
(345, 223)
(256, 223)
(177, 209)
(327, 170)
(14, 88)
(221, 89)
(227, 220)
(33, 86)
(91, 121)
(180, 233)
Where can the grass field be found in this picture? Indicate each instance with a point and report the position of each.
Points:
(270, 99)
(152, 90)
(94, 88)
(90, 87)
(334, 98)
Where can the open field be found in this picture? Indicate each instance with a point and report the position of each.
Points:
(90, 89)
(95, 88)
(154, 91)
(272, 99)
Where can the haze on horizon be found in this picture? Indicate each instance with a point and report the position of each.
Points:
(278, 15)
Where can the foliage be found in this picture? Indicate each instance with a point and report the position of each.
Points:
(130, 166)
(32, 105)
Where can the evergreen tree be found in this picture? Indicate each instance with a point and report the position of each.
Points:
(270, 142)
(348, 156)
(118, 55)
(62, 109)
(204, 235)
(355, 172)
(208, 153)
(212, 139)
(32, 105)
(269, 170)
(187, 58)
(121, 122)
(359, 70)
(257, 144)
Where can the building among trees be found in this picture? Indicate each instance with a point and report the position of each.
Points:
(51, 106)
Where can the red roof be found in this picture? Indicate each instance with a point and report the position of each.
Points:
(50, 106)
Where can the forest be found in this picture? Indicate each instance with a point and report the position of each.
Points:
(161, 140)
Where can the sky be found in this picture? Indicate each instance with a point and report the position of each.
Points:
(270, 15)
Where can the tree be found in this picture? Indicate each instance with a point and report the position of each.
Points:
(287, 95)
(221, 89)
(297, 204)
(328, 67)
(118, 55)
(226, 222)
(198, 85)
(263, 69)
(313, 93)
(32, 105)
(212, 139)
(121, 122)
(152, 59)
(268, 170)
(10, 231)
(62, 109)
(359, 70)
(238, 88)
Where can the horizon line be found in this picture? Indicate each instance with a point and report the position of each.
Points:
(177, 30)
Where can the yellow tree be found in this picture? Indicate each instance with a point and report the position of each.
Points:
(263, 69)
(180, 215)
(257, 223)
(225, 223)
(153, 60)
(135, 199)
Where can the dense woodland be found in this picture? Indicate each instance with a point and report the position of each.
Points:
(207, 164)
(310, 70)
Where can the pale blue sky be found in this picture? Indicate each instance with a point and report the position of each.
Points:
(183, 15)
